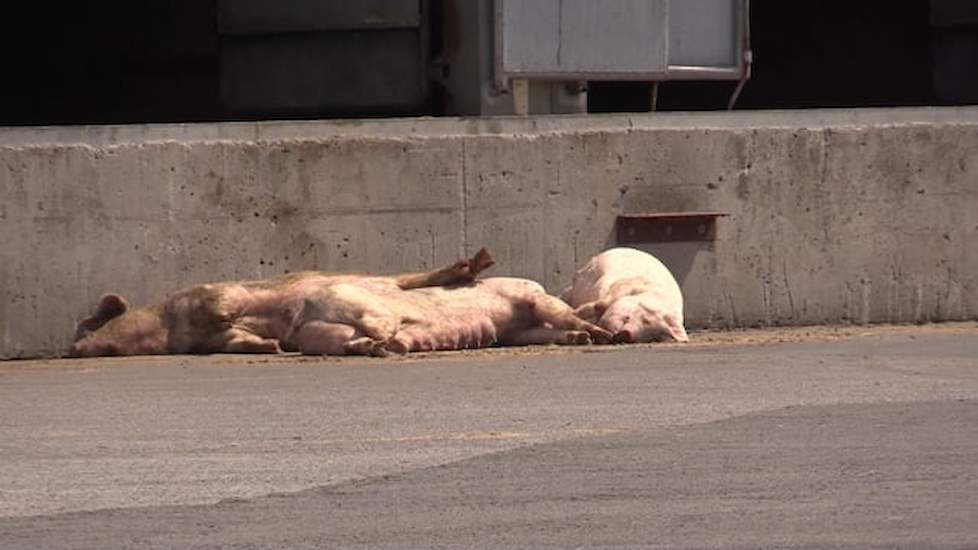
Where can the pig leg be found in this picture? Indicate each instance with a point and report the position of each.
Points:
(322, 338)
(349, 304)
(407, 341)
(355, 322)
(549, 309)
(242, 341)
(548, 335)
(366, 346)
(591, 311)
(461, 272)
(379, 327)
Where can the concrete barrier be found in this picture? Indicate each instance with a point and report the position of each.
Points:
(848, 216)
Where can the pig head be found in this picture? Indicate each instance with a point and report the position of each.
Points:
(117, 329)
(631, 294)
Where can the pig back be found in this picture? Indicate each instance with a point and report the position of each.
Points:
(476, 298)
(594, 281)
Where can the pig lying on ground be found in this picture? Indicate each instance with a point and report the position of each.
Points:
(347, 319)
(234, 317)
(631, 294)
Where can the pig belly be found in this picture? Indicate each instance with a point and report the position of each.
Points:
(351, 319)
(448, 318)
(448, 334)
(504, 310)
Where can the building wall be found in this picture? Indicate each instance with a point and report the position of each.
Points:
(104, 62)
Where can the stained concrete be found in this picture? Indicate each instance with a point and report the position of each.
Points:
(849, 216)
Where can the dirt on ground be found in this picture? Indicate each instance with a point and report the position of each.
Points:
(698, 338)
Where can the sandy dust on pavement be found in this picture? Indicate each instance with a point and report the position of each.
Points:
(698, 339)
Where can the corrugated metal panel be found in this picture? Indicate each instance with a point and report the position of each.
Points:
(954, 13)
(351, 70)
(293, 56)
(955, 61)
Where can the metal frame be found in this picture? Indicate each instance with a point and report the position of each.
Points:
(673, 72)
(661, 227)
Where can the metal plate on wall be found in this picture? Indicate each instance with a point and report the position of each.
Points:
(667, 227)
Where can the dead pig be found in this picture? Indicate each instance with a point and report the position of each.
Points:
(354, 320)
(630, 293)
(233, 317)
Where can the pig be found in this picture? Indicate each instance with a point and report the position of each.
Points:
(233, 316)
(630, 293)
(360, 320)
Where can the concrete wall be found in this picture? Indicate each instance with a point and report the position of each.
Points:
(835, 216)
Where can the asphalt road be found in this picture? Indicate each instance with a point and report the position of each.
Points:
(763, 439)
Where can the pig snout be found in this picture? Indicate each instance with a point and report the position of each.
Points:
(87, 348)
(631, 329)
(73, 351)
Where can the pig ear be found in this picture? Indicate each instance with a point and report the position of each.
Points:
(592, 311)
(676, 330)
(110, 306)
(565, 293)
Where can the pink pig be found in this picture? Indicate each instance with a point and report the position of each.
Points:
(631, 294)
(348, 319)
(235, 316)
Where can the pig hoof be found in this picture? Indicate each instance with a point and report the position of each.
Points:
(623, 337)
(396, 346)
(378, 350)
(577, 338)
(601, 336)
(287, 346)
(365, 346)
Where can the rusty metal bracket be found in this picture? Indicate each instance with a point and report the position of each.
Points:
(663, 227)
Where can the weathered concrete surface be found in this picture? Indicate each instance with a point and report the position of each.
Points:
(821, 440)
(836, 216)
